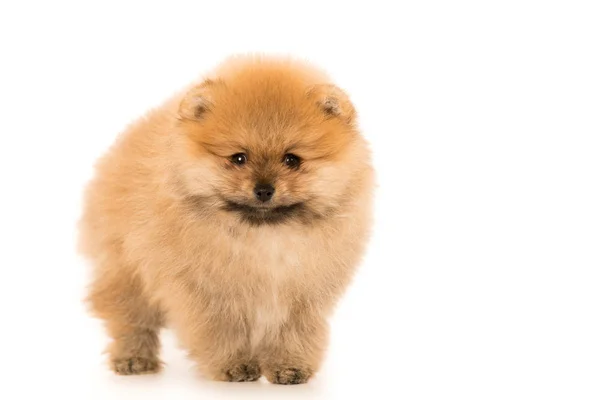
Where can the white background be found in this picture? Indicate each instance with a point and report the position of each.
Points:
(482, 279)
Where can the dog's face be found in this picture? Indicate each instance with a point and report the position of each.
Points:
(267, 148)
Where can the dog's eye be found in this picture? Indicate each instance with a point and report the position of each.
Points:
(291, 160)
(239, 159)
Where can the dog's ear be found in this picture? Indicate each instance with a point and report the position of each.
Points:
(333, 102)
(197, 101)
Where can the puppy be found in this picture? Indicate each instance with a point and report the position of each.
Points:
(236, 214)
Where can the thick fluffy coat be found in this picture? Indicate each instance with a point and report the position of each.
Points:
(178, 234)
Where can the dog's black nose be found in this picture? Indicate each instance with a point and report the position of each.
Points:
(264, 192)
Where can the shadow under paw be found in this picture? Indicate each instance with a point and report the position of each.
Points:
(243, 373)
(136, 366)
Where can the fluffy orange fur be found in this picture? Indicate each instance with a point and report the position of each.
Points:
(177, 237)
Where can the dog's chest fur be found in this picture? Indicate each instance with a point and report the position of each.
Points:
(273, 262)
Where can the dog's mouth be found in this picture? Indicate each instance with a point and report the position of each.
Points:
(265, 215)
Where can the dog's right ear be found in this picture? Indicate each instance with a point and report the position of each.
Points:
(333, 102)
(197, 101)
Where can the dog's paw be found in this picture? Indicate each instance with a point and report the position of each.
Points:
(243, 373)
(135, 365)
(289, 376)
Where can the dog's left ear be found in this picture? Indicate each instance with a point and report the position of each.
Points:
(198, 101)
(333, 101)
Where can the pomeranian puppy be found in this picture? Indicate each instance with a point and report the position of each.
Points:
(236, 214)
